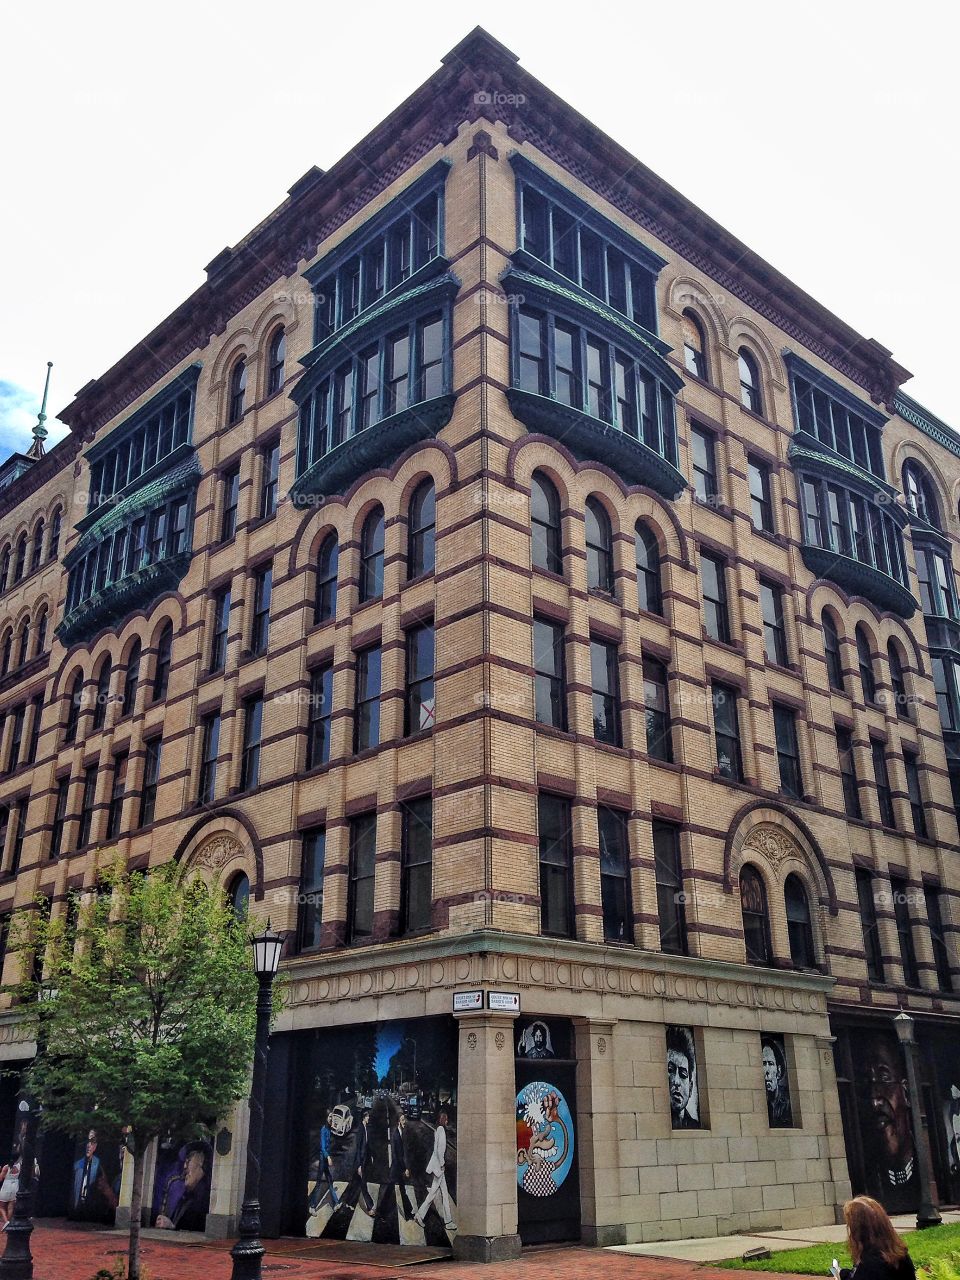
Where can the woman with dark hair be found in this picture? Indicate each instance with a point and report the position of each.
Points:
(878, 1252)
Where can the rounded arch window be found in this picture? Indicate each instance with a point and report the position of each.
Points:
(868, 680)
(276, 359)
(103, 694)
(599, 548)
(919, 493)
(21, 561)
(55, 525)
(422, 530)
(6, 652)
(238, 895)
(799, 923)
(649, 584)
(131, 678)
(898, 680)
(4, 569)
(750, 393)
(23, 642)
(74, 704)
(694, 346)
(371, 556)
(325, 606)
(831, 649)
(41, 642)
(238, 391)
(756, 916)
(37, 550)
(545, 526)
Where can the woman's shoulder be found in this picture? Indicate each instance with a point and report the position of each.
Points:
(874, 1268)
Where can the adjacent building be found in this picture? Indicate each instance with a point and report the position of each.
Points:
(544, 611)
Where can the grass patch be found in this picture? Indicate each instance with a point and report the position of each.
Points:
(925, 1247)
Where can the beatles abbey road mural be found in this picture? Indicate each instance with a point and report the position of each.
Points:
(776, 1081)
(383, 1133)
(682, 1082)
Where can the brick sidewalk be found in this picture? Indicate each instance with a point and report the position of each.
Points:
(63, 1252)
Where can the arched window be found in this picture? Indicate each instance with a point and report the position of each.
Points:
(21, 561)
(275, 361)
(649, 593)
(238, 390)
(55, 523)
(799, 925)
(37, 549)
(919, 493)
(41, 629)
(4, 569)
(23, 642)
(131, 678)
(325, 604)
(694, 346)
(756, 917)
(545, 527)
(6, 652)
(103, 694)
(865, 662)
(599, 548)
(898, 682)
(750, 396)
(238, 895)
(74, 703)
(422, 531)
(161, 671)
(371, 556)
(831, 648)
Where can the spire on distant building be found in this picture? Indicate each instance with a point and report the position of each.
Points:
(40, 431)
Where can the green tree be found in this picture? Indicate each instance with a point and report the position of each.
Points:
(149, 1016)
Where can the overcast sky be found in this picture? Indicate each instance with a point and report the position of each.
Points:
(140, 140)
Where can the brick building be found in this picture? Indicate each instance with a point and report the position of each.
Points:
(544, 611)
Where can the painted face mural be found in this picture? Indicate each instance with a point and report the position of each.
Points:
(535, 1041)
(776, 1082)
(96, 1180)
(181, 1188)
(682, 1079)
(893, 1176)
(544, 1138)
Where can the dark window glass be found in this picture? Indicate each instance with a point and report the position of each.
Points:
(397, 372)
(865, 662)
(87, 799)
(321, 709)
(756, 918)
(694, 346)
(420, 707)
(74, 703)
(275, 362)
(231, 502)
(23, 643)
(59, 818)
(615, 876)
(363, 862)
(598, 379)
(788, 750)
(545, 525)
(831, 649)
(605, 678)
(209, 755)
(871, 928)
(649, 594)
(252, 737)
(848, 773)
(117, 792)
(549, 677)
(421, 557)
(19, 835)
(882, 779)
(21, 561)
(761, 504)
(703, 453)
(556, 866)
(221, 629)
(55, 526)
(269, 479)
(535, 233)
(151, 780)
(716, 618)
(750, 396)
(41, 645)
(37, 547)
(371, 556)
(102, 697)
(901, 911)
(367, 722)
(238, 390)
(310, 907)
(416, 867)
(430, 349)
(599, 548)
(531, 352)
(656, 700)
(812, 515)
(161, 671)
(671, 907)
(938, 938)
(919, 494)
(325, 607)
(262, 596)
(774, 631)
(726, 731)
(911, 764)
(799, 926)
(566, 362)
(368, 372)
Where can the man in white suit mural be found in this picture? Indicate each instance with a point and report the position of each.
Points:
(437, 1170)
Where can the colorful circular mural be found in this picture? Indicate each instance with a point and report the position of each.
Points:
(544, 1138)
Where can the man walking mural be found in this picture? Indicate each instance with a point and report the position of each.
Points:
(436, 1167)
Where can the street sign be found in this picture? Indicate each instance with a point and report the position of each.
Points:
(504, 1001)
(466, 1001)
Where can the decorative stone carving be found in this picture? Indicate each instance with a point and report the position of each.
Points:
(500, 1039)
(472, 1041)
(771, 843)
(601, 1045)
(215, 853)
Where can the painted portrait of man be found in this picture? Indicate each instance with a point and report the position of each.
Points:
(186, 1196)
(892, 1173)
(682, 1079)
(776, 1082)
(535, 1041)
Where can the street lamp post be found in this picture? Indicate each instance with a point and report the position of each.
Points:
(17, 1260)
(247, 1253)
(928, 1215)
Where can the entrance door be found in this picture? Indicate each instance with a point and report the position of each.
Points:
(548, 1181)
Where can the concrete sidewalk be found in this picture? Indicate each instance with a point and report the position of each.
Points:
(719, 1248)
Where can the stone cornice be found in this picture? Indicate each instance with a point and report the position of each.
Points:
(927, 422)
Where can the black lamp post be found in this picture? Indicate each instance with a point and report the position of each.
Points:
(247, 1253)
(17, 1260)
(928, 1215)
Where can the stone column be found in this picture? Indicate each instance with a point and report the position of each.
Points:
(229, 1169)
(601, 1214)
(486, 1140)
(833, 1122)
